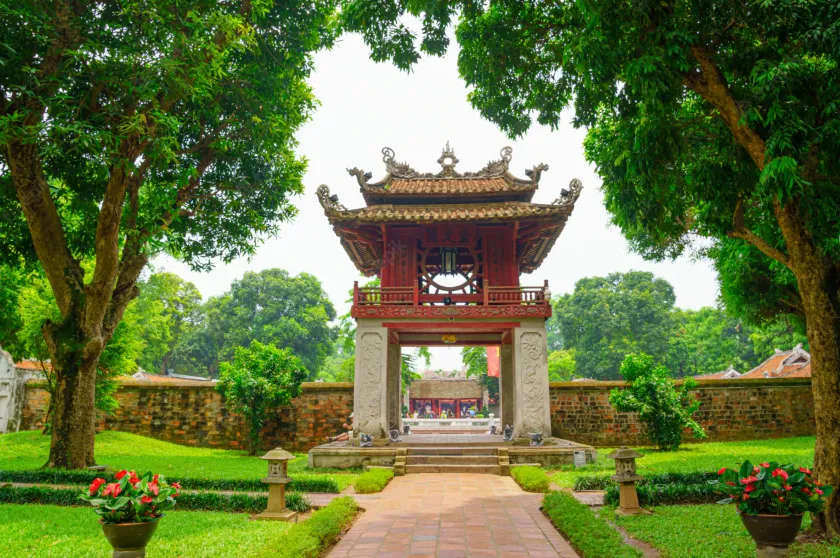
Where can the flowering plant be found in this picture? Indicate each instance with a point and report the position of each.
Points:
(769, 488)
(131, 499)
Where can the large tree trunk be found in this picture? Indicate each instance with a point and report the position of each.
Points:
(819, 288)
(74, 416)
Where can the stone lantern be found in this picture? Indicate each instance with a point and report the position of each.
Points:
(278, 462)
(625, 475)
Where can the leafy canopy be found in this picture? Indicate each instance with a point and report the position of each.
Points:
(259, 378)
(664, 408)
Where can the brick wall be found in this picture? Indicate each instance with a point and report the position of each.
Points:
(195, 414)
(729, 410)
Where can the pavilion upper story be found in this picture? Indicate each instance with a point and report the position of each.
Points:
(449, 243)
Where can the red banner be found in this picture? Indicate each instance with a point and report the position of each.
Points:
(494, 362)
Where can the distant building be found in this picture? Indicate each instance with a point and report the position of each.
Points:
(795, 363)
(450, 391)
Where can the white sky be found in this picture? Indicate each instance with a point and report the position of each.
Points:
(366, 106)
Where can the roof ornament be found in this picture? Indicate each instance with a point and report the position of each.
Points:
(395, 168)
(535, 173)
(329, 202)
(495, 169)
(448, 160)
(568, 197)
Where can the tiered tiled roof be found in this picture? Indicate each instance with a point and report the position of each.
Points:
(795, 363)
(489, 195)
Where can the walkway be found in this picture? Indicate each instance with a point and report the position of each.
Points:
(452, 515)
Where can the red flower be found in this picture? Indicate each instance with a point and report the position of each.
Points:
(155, 478)
(781, 499)
(94, 486)
(722, 470)
(155, 489)
(121, 474)
(748, 480)
(806, 491)
(746, 496)
(804, 470)
(147, 499)
(788, 487)
(112, 489)
(765, 464)
(780, 473)
(818, 491)
(749, 488)
(133, 478)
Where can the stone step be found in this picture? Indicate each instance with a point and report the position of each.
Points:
(446, 450)
(480, 469)
(452, 460)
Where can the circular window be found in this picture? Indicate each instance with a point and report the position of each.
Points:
(462, 277)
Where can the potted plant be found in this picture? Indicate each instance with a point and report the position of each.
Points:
(771, 499)
(129, 509)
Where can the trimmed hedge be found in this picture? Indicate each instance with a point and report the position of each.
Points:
(309, 539)
(668, 494)
(203, 501)
(591, 535)
(603, 482)
(373, 480)
(531, 479)
(300, 483)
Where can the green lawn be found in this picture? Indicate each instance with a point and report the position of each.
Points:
(52, 531)
(121, 450)
(704, 531)
(709, 456)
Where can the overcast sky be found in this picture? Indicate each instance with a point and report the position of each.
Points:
(366, 106)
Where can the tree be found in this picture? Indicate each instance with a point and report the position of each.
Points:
(561, 365)
(705, 119)
(180, 300)
(707, 341)
(607, 318)
(260, 378)
(274, 308)
(130, 128)
(475, 359)
(664, 408)
(12, 280)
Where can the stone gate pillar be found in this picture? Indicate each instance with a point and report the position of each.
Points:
(370, 395)
(531, 396)
(394, 387)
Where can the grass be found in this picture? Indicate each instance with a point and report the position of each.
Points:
(705, 457)
(591, 536)
(531, 479)
(373, 480)
(704, 531)
(121, 450)
(52, 531)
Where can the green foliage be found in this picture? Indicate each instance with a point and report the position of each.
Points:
(187, 501)
(601, 482)
(590, 534)
(664, 408)
(561, 365)
(666, 494)
(607, 318)
(260, 378)
(271, 307)
(299, 483)
(707, 341)
(475, 359)
(531, 479)
(310, 538)
(12, 280)
(373, 480)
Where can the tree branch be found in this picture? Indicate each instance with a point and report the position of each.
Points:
(739, 230)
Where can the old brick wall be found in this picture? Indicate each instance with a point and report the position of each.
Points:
(729, 410)
(195, 414)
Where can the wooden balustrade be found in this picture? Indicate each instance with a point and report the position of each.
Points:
(411, 296)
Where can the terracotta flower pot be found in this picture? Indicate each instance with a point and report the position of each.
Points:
(772, 530)
(129, 539)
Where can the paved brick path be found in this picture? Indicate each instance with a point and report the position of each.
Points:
(450, 515)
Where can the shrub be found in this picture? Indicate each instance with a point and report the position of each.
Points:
(664, 408)
(260, 378)
(603, 482)
(188, 501)
(309, 538)
(300, 483)
(591, 536)
(130, 498)
(531, 479)
(666, 494)
(373, 480)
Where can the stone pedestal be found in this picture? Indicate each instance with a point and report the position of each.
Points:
(370, 396)
(628, 499)
(276, 509)
(531, 397)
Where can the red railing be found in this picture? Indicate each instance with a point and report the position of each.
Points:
(411, 296)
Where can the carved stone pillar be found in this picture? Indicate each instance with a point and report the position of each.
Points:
(532, 407)
(394, 386)
(369, 391)
(506, 386)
